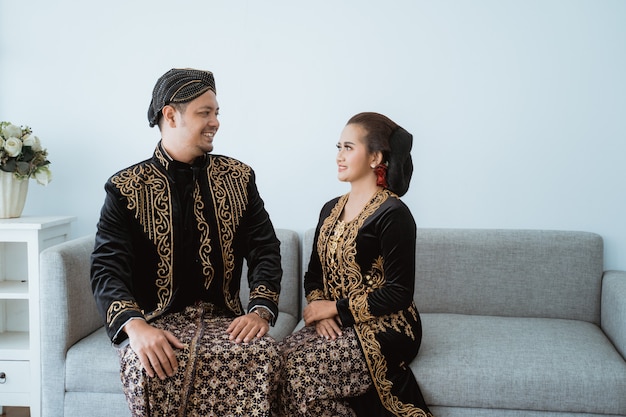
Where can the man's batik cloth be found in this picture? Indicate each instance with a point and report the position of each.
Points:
(216, 377)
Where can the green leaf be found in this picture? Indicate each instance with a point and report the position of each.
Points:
(23, 168)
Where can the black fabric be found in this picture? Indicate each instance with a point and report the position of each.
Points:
(158, 245)
(400, 167)
(387, 234)
(178, 85)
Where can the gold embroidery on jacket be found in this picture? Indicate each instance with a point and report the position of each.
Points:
(162, 159)
(343, 279)
(204, 251)
(358, 304)
(378, 368)
(315, 295)
(395, 321)
(147, 191)
(228, 184)
(118, 307)
(263, 292)
(341, 273)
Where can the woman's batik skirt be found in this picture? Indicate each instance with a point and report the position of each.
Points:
(319, 374)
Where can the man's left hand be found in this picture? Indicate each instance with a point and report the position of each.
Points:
(247, 327)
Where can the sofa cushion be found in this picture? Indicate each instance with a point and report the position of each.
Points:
(514, 273)
(92, 365)
(289, 301)
(84, 374)
(519, 363)
(95, 404)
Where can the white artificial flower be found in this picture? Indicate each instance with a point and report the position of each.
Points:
(43, 175)
(11, 130)
(13, 146)
(32, 141)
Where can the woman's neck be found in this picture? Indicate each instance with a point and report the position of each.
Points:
(360, 195)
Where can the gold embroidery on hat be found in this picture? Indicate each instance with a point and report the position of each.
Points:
(194, 94)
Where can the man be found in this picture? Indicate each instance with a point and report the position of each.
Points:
(166, 267)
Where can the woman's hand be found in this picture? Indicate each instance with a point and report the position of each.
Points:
(328, 328)
(323, 314)
(319, 310)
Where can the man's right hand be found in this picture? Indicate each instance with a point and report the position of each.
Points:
(154, 347)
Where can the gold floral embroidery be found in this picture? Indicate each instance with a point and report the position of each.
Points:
(263, 292)
(147, 191)
(204, 251)
(315, 295)
(343, 279)
(333, 240)
(118, 307)
(162, 159)
(378, 368)
(359, 305)
(396, 321)
(229, 179)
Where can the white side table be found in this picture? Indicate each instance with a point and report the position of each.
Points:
(21, 241)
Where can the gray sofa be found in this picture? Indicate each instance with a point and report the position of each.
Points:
(516, 323)
(80, 368)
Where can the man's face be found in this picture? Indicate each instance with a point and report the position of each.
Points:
(194, 128)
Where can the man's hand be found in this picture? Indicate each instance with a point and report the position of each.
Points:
(154, 347)
(247, 327)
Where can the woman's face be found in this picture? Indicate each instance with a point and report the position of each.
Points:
(354, 162)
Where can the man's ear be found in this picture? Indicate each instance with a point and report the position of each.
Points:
(169, 115)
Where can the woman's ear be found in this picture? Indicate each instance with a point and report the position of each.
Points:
(376, 158)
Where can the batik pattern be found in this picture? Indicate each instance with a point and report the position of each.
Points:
(318, 374)
(216, 377)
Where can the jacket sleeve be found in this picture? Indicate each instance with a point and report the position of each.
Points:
(263, 255)
(314, 276)
(111, 266)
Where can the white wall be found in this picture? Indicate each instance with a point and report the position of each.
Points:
(518, 107)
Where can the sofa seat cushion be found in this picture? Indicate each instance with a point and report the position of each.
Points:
(285, 323)
(92, 365)
(519, 363)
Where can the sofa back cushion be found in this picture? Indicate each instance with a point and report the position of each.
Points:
(518, 273)
(291, 283)
(72, 260)
(514, 273)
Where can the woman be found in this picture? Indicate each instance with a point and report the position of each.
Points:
(362, 327)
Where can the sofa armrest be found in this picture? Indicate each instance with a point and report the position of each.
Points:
(68, 313)
(613, 308)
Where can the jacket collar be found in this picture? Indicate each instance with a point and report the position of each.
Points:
(167, 162)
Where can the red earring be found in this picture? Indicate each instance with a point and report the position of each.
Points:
(381, 175)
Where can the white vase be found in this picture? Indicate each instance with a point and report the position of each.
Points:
(12, 195)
